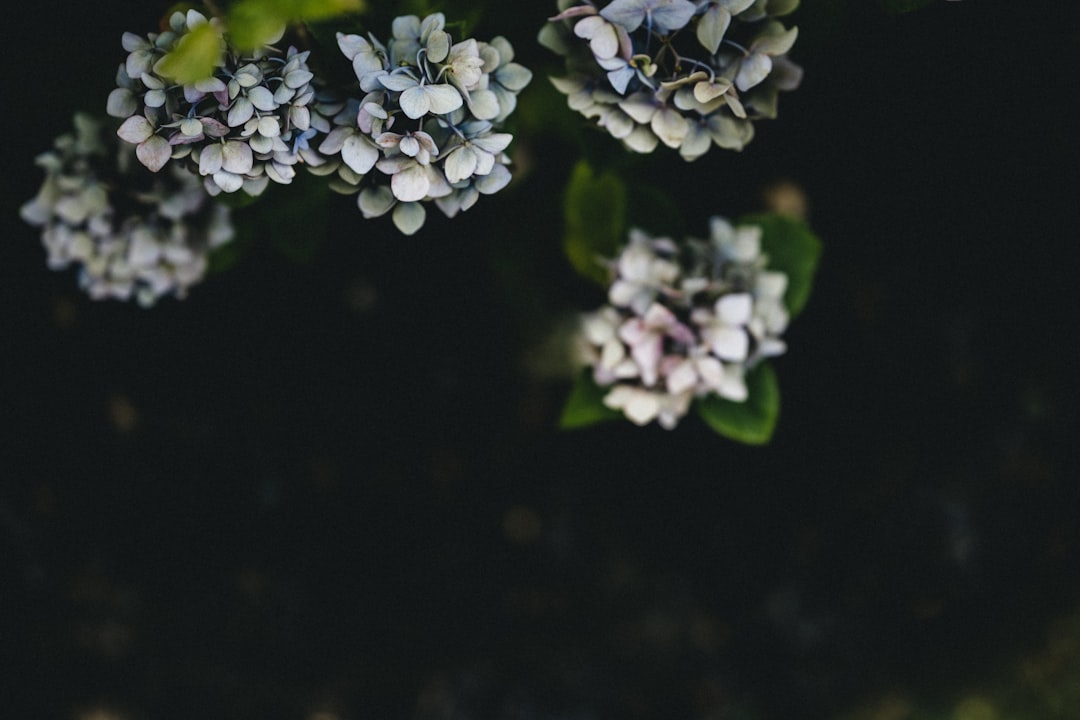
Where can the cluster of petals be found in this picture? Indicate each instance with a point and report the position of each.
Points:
(428, 125)
(684, 321)
(250, 123)
(681, 73)
(143, 243)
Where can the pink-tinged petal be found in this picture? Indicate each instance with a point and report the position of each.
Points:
(659, 317)
(154, 153)
(647, 354)
(135, 129)
(210, 159)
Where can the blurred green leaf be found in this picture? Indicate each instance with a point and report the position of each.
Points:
(594, 208)
(195, 57)
(230, 254)
(751, 422)
(654, 210)
(253, 23)
(585, 405)
(291, 218)
(793, 249)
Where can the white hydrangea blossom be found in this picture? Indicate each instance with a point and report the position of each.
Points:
(687, 75)
(427, 128)
(143, 243)
(684, 321)
(250, 123)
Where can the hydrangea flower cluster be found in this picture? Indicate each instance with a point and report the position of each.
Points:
(146, 242)
(682, 73)
(684, 321)
(248, 124)
(428, 125)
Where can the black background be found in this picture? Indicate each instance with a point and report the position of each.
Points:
(335, 486)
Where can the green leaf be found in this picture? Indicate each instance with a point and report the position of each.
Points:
(585, 405)
(292, 218)
(594, 208)
(313, 10)
(254, 23)
(793, 249)
(198, 54)
(652, 209)
(751, 422)
(230, 254)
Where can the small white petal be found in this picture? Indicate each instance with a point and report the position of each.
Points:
(410, 184)
(442, 99)
(359, 154)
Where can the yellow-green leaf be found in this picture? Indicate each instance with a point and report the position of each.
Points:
(198, 54)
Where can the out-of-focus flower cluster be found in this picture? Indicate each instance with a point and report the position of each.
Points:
(132, 234)
(248, 124)
(684, 321)
(687, 74)
(427, 126)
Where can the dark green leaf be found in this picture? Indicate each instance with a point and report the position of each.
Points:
(594, 208)
(751, 422)
(291, 218)
(793, 249)
(653, 210)
(585, 405)
(230, 254)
